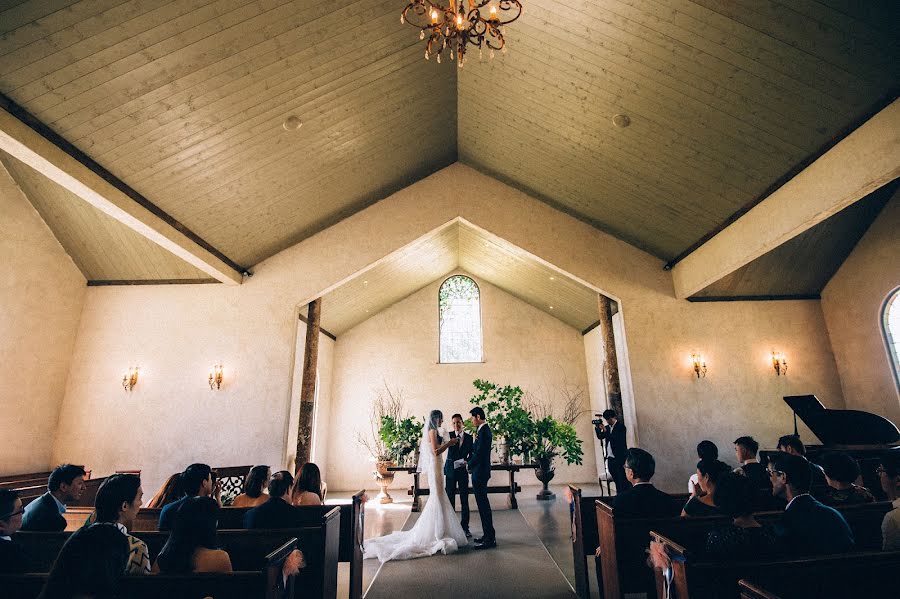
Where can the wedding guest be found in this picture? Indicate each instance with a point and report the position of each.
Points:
(90, 564)
(793, 445)
(642, 499)
(745, 537)
(169, 492)
(65, 485)
(118, 501)
(254, 485)
(13, 558)
(277, 512)
(706, 450)
(840, 472)
(745, 450)
(807, 526)
(308, 486)
(196, 481)
(192, 544)
(708, 474)
(889, 475)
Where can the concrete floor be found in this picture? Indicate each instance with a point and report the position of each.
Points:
(549, 519)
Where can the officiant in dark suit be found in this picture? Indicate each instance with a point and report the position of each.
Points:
(456, 476)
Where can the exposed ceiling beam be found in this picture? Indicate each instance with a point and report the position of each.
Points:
(77, 173)
(862, 162)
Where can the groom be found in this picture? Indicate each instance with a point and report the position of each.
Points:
(480, 467)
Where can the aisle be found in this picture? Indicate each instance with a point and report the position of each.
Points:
(520, 567)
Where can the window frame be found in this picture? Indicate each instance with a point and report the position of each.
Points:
(441, 324)
(893, 297)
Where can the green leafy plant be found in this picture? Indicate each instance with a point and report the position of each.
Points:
(505, 415)
(400, 436)
(551, 438)
(389, 426)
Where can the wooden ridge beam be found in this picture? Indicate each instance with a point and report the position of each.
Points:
(859, 164)
(27, 139)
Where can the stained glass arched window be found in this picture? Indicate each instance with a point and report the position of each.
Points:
(891, 324)
(459, 308)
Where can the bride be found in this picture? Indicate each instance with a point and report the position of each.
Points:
(437, 528)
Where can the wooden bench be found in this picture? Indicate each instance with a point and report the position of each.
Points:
(91, 486)
(869, 574)
(24, 476)
(623, 540)
(748, 590)
(417, 490)
(266, 582)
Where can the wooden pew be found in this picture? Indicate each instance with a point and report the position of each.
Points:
(749, 590)
(24, 476)
(265, 582)
(623, 540)
(869, 574)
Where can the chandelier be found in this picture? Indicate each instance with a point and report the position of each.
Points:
(462, 22)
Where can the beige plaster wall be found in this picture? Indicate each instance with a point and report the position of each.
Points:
(176, 332)
(41, 295)
(853, 302)
(523, 346)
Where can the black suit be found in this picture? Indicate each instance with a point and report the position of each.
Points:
(808, 526)
(645, 501)
(275, 513)
(43, 515)
(458, 478)
(13, 559)
(616, 447)
(480, 467)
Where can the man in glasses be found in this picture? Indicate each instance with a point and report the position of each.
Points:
(889, 474)
(807, 526)
(12, 558)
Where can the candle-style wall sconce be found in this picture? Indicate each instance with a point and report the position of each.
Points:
(699, 364)
(130, 378)
(779, 363)
(215, 376)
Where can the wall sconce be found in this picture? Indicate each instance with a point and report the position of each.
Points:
(699, 364)
(779, 363)
(215, 376)
(130, 378)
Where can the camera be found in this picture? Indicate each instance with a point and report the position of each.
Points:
(598, 422)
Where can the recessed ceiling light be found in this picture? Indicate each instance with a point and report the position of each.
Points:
(552, 278)
(292, 123)
(551, 307)
(621, 120)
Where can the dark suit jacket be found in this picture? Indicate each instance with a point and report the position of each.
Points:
(645, 500)
(44, 516)
(167, 514)
(480, 460)
(275, 513)
(458, 452)
(616, 437)
(13, 559)
(809, 526)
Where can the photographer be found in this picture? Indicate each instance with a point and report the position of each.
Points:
(614, 436)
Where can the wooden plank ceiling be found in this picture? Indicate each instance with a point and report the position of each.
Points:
(458, 247)
(805, 264)
(184, 101)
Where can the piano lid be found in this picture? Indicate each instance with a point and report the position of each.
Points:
(843, 427)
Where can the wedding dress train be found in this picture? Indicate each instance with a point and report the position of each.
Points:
(437, 528)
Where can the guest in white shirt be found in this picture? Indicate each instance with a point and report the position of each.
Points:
(889, 473)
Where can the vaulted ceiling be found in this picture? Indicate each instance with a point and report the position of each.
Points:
(184, 101)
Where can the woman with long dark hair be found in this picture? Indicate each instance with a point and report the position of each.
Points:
(170, 491)
(308, 486)
(90, 564)
(254, 485)
(192, 544)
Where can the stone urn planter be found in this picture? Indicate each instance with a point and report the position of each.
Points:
(384, 478)
(545, 473)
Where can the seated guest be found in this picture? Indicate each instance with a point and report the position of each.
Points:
(192, 544)
(118, 501)
(708, 474)
(745, 450)
(706, 450)
(196, 481)
(840, 472)
(744, 538)
(254, 483)
(66, 484)
(308, 486)
(277, 512)
(90, 564)
(642, 499)
(807, 526)
(889, 474)
(169, 492)
(13, 559)
(793, 445)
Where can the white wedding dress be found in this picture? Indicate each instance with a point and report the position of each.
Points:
(437, 528)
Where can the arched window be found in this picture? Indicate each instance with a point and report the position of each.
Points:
(459, 308)
(891, 324)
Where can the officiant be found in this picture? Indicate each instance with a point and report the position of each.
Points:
(455, 473)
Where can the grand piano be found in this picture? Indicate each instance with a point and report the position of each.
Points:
(863, 435)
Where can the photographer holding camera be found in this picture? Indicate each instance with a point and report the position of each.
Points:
(614, 436)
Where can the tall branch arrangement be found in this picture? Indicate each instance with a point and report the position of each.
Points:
(393, 433)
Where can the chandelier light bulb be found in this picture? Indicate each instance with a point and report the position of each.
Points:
(434, 17)
(493, 15)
